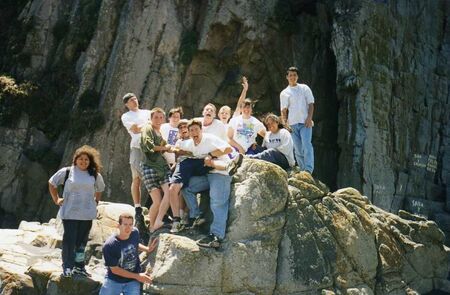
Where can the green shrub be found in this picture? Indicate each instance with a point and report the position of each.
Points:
(13, 98)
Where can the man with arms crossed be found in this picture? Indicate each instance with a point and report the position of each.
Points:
(134, 120)
(122, 260)
(297, 108)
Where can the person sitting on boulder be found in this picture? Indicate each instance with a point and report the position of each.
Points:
(217, 181)
(278, 143)
(243, 130)
(83, 187)
(225, 111)
(121, 254)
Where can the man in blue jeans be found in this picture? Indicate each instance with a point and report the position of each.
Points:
(297, 108)
(122, 260)
(215, 153)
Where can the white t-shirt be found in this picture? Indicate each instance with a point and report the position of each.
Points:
(169, 134)
(282, 142)
(216, 128)
(139, 117)
(79, 193)
(296, 99)
(208, 144)
(181, 144)
(245, 130)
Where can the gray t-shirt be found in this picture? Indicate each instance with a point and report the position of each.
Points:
(79, 193)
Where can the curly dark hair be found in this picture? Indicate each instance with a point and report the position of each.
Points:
(95, 166)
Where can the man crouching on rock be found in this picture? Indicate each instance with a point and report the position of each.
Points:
(215, 153)
(122, 260)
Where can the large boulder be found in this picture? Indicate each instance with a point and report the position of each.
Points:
(286, 234)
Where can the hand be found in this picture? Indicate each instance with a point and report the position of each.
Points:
(169, 148)
(241, 150)
(244, 83)
(152, 245)
(144, 278)
(135, 129)
(59, 201)
(209, 162)
(309, 123)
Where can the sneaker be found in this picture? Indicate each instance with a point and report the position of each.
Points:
(210, 241)
(176, 227)
(233, 166)
(67, 272)
(81, 271)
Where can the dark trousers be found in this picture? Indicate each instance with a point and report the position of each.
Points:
(76, 234)
(272, 156)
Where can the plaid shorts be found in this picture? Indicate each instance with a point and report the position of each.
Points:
(151, 178)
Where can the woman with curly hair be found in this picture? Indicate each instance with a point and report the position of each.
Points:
(83, 185)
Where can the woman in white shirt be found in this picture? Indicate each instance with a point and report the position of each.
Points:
(83, 187)
(278, 144)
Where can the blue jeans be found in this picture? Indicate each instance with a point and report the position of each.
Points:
(272, 156)
(219, 186)
(303, 149)
(111, 287)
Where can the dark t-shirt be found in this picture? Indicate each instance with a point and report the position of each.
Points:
(122, 253)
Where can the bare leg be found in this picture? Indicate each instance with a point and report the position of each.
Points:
(163, 207)
(154, 208)
(136, 190)
(174, 194)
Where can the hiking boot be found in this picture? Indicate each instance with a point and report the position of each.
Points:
(177, 226)
(233, 166)
(81, 271)
(67, 272)
(210, 241)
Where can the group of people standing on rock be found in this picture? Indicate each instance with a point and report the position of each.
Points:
(175, 160)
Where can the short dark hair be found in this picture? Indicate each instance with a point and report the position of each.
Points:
(157, 110)
(292, 69)
(195, 122)
(125, 216)
(176, 110)
(127, 97)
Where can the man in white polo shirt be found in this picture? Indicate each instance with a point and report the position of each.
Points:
(297, 108)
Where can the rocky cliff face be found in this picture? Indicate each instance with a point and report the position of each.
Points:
(284, 236)
(379, 71)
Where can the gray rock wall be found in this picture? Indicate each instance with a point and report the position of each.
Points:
(379, 71)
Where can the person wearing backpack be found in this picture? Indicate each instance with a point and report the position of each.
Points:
(83, 186)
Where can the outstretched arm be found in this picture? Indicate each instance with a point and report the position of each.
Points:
(237, 111)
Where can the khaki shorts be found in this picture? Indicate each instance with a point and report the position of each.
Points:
(136, 156)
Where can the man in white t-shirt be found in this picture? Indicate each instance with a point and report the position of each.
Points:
(243, 129)
(169, 132)
(134, 120)
(212, 125)
(217, 181)
(297, 108)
